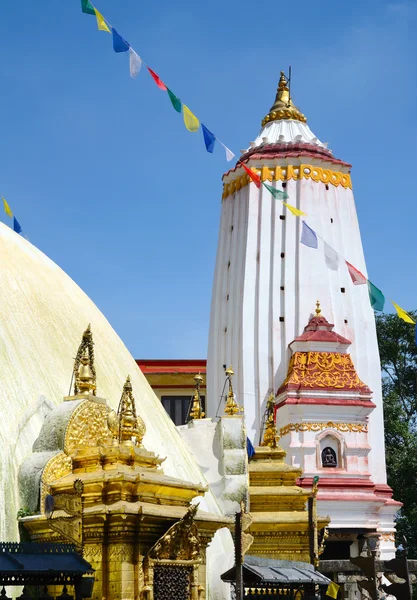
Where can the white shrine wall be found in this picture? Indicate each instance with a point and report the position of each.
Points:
(247, 302)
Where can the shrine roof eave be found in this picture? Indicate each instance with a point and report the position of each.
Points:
(290, 151)
(270, 571)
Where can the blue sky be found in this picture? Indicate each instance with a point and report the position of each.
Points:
(105, 179)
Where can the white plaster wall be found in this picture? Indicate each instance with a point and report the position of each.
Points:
(256, 342)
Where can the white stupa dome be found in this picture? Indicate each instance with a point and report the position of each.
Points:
(43, 314)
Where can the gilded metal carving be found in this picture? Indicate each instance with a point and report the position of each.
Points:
(232, 407)
(323, 370)
(343, 427)
(270, 433)
(127, 428)
(283, 107)
(87, 427)
(58, 466)
(197, 406)
(84, 370)
(181, 541)
(288, 172)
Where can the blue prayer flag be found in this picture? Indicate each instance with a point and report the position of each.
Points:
(16, 226)
(250, 449)
(209, 138)
(119, 44)
(308, 236)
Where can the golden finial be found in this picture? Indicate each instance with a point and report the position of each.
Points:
(270, 434)
(318, 309)
(84, 370)
(127, 428)
(232, 407)
(197, 407)
(283, 107)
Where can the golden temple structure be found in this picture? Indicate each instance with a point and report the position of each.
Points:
(103, 491)
(280, 519)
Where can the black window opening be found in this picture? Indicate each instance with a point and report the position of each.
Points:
(178, 407)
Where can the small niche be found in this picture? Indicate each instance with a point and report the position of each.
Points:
(282, 288)
(331, 220)
(346, 321)
(281, 319)
(343, 290)
(282, 254)
(327, 186)
(282, 217)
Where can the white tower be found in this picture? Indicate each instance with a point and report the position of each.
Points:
(266, 283)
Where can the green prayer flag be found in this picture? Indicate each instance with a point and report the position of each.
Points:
(176, 102)
(87, 7)
(277, 194)
(376, 297)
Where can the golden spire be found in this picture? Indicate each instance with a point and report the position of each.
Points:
(197, 407)
(126, 424)
(232, 406)
(318, 309)
(270, 434)
(283, 107)
(84, 370)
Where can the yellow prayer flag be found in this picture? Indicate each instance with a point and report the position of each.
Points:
(332, 590)
(7, 208)
(190, 120)
(101, 23)
(402, 314)
(295, 211)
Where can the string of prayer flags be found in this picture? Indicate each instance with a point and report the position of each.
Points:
(101, 23)
(16, 226)
(135, 63)
(119, 44)
(87, 7)
(176, 102)
(308, 236)
(209, 138)
(332, 590)
(403, 314)
(376, 297)
(357, 277)
(229, 154)
(331, 257)
(255, 178)
(295, 211)
(277, 194)
(190, 120)
(7, 208)
(157, 80)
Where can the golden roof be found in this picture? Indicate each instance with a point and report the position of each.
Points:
(283, 107)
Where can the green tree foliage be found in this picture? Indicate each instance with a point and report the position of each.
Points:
(398, 351)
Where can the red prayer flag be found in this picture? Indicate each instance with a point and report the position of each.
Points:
(357, 277)
(255, 178)
(157, 80)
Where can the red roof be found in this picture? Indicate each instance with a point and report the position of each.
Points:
(320, 330)
(290, 150)
(155, 365)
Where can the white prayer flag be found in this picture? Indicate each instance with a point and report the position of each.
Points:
(331, 257)
(135, 63)
(229, 154)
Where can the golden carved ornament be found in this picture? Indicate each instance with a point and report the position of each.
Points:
(181, 541)
(343, 427)
(69, 529)
(232, 408)
(387, 537)
(323, 370)
(127, 428)
(286, 173)
(197, 406)
(283, 107)
(58, 466)
(270, 433)
(84, 369)
(87, 427)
